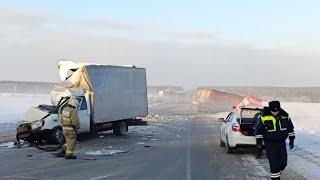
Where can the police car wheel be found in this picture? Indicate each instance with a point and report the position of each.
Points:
(222, 144)
(228, 148)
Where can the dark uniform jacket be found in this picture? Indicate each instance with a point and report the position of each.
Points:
(275, 128)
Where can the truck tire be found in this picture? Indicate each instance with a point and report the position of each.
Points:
(57, 136)
(120, 128)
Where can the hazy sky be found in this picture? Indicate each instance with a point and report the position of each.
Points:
(188, 43)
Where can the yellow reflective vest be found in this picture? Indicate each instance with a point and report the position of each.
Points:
(275, 128)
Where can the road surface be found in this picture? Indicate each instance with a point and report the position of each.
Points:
(179, 144)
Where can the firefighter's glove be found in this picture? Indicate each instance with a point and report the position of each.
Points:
(291, 143)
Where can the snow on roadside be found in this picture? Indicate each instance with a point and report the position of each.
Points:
(305, 116)
(13, 107)
(305, 157)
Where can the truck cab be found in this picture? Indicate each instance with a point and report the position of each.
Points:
(60, 97)
(43, 122)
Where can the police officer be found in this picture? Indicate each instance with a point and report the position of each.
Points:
(256, 119)
(70, 123)
(274, 127)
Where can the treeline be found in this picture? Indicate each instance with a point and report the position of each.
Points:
(24, 87)
(288, 94)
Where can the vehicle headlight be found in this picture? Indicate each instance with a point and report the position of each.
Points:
(36, 125)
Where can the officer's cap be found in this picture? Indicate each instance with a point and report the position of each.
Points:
(274, 106)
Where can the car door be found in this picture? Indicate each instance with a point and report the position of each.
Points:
(224, 126)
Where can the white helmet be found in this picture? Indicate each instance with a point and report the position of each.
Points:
(74, 102)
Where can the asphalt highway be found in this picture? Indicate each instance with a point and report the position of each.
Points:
(179, 144)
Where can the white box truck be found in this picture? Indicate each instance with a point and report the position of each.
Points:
(110, 98)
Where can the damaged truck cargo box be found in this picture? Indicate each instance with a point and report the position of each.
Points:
(115, 92)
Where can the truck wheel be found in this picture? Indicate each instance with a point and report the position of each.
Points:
(57, 136)
(120, 128)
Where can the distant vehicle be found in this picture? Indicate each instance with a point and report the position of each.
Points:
(111, 97)
(209, 100)
(237, 129)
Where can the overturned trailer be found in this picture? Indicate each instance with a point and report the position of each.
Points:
(111, 97)
(209, 100)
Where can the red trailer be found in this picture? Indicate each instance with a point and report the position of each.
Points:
(211, 100)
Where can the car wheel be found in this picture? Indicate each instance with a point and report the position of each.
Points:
(228, 148)
(222, 144)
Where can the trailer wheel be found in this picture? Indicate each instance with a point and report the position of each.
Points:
(57, 136)
(120, 128)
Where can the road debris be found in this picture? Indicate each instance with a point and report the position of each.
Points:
(89, 158)
(105, 152)
(8, 145)
(140, 143)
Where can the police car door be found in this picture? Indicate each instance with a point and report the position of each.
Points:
(84, 116)
(225, 125)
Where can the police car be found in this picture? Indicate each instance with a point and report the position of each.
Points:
(237, 128)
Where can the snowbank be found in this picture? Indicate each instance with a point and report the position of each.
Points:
(305, 116)
(305, 157)
(13, 107)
